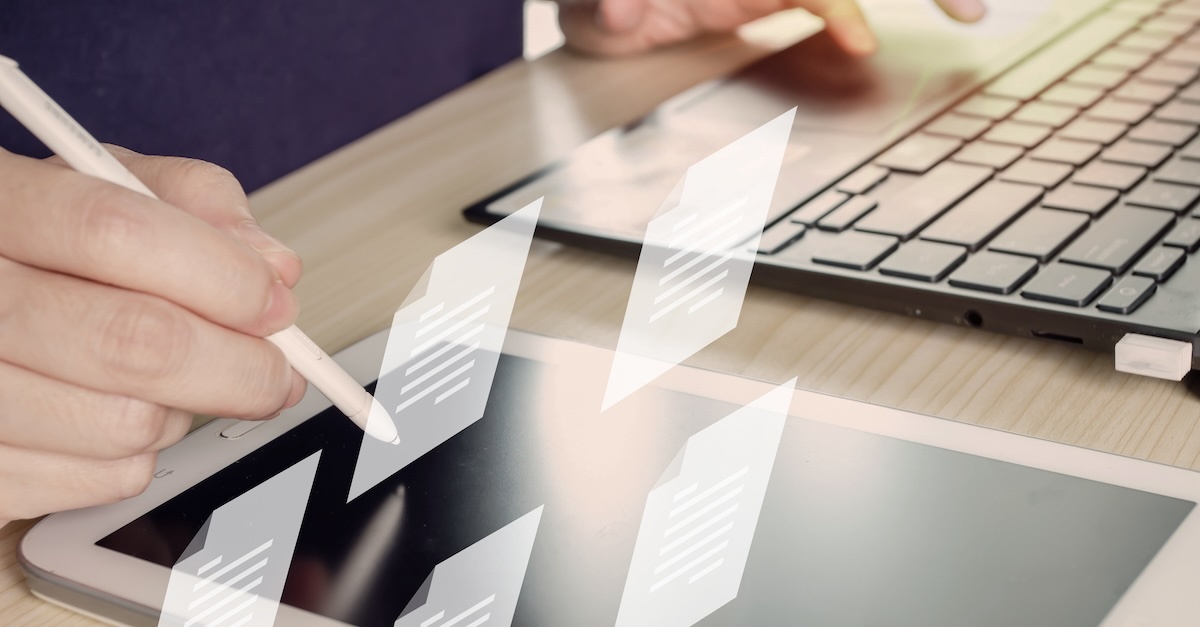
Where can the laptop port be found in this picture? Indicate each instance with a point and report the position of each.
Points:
(973, 319)
(1058, 337)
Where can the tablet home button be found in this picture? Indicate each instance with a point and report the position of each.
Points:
(241, 428)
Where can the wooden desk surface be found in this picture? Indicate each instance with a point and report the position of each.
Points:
(368, 219)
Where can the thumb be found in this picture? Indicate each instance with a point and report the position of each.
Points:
(212, 194)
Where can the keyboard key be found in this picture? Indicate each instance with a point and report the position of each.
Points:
(1190, 94)
(1018, 134)
(1120, 111)
(1066, 151)
(1157, 132)
(1117, 238)
(1073, 95)
(1091, 200)
(996, 156)
(1040, 233)
(1185, 235)
(816, 208)
(1127, 295)
(779, 237)
(1034, 172)
(961, 126)
(1097, 76)
(1182, 171)
(1160, 72)
(982, 214)
(1123, 58)
(856, 251)
(1137, 153)
(1191, 151)
(1093, 131)
(924, 261)
(1188, 10)
(1045, 113)
(1160, 263)
(841, 218)
(1179, 112)
(1140, 8)
(1167, 196)
(1147, 41)
(988, 107)
(1065, 284)
(924, 200)
(999, 273)
(1142, 91)
(918, 153)
(1168, 24)
(1111, 175)
(1184, 54)
(863, 179)
(1049, 64)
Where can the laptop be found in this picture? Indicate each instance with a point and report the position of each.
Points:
(1036, 175)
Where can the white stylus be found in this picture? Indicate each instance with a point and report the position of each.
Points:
(63, 135)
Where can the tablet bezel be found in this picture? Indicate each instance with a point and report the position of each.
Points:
(65, 566)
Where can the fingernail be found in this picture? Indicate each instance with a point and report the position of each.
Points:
(966, 10)
(861, 41)
(282, 306)
(257, 238)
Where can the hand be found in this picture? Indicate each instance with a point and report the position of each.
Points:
(620, 27)
(121, 316)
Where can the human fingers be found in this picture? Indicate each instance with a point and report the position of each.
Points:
(664, 22)
(33, 483)
(845, 22)
(212, 194)
(67, 222)
(44, 414)
(621, 16)
(620, 29)
(138, 345)
(963, 10)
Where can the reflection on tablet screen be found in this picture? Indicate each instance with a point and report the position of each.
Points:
(855, 528)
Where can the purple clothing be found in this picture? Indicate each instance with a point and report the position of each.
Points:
(261, 87)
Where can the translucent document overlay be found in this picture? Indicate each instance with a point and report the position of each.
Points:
(233, 572)
(444, 345)
(699, 521)
(479, 585)
(694, 267)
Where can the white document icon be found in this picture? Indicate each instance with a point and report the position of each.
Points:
(692, 274)
(700, 518)
(444, 344)
(480, 584)
(233, 572)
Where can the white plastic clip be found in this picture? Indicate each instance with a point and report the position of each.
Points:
(1153, 356)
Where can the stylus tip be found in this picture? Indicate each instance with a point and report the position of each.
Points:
(396, 441)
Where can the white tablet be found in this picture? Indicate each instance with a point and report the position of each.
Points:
(871, 516)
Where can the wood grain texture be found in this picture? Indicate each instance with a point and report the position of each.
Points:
(369, 218)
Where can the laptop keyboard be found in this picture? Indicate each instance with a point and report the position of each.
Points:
(1072, 179)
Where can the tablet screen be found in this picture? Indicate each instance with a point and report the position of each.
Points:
(855, 528)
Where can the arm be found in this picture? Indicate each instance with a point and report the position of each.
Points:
(621, 27)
